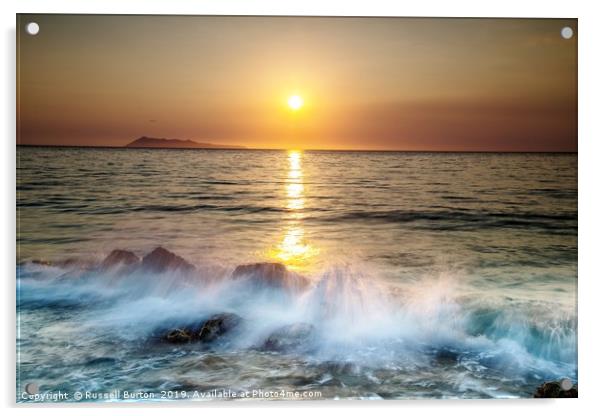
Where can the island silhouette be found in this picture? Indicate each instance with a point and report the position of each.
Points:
(163, 143)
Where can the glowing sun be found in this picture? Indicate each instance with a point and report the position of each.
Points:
(295, 102)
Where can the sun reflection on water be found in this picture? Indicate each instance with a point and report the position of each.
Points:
(293, 250)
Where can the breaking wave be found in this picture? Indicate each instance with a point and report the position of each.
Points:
(344, 330)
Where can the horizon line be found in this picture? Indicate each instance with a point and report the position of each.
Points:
(289, 149)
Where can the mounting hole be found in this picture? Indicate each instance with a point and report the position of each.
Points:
(32, 388)
(32, 28)
(566, 384)
(566, 32)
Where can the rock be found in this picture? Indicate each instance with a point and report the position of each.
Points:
(290, 337)
(555, 390)
(120, 258)
(68, 263)
(274, 275)
(207, 331)
(179, 336)
(161, 260)
(41, 262)
(446, 356)
(74, 264)
(218, 325)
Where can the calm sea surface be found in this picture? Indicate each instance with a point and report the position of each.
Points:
(444, 274)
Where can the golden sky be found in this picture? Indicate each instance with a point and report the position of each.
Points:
(366, 83)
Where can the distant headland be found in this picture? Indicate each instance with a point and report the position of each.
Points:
(153, 142)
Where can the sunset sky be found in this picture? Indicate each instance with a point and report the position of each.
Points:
(366, 83)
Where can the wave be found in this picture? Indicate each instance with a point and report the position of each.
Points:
(464, 220)
(344, 314)
(85, 209)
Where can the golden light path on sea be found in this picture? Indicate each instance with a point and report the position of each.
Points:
(293, 250)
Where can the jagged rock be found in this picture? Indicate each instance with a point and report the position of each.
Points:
(273, 275)
(179, 336)
(69, 263)
(120, 258)
(209, 330)
(218, 325)
(555, 390)
(161, 260)
(290, 337)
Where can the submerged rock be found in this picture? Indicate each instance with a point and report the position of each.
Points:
(274, 275)
(207, 331)
(556, 390)
(218, 325)
(179, 336)
(69, 263)
(290, 337)
(39, 262)
(446, 356)
(120, 258)
(161, 260)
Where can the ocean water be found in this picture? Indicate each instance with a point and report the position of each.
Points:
(432, 275)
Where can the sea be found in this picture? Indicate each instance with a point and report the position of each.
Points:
(431, 275)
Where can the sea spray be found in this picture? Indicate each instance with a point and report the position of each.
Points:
(359, 325)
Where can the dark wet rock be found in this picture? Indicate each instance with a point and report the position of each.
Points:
(161, 260)
(212, 329)
(290, 337)
(100, 361)
(38, 262)
(446, 356)
(274, 275)
(120, 258)
(218, 325)
(179, 336)
(555, 390)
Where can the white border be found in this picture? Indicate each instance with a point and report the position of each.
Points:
(590, 209)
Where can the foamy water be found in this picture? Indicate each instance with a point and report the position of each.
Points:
(430, 275)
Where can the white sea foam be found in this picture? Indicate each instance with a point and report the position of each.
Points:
(356, 316)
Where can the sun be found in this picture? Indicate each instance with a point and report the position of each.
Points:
(295, 102)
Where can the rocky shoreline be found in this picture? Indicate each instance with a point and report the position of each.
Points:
(220, 327)
(563, 389)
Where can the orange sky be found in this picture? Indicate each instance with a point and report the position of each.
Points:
(367, 83)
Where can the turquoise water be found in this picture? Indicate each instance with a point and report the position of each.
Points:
(431, 274)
